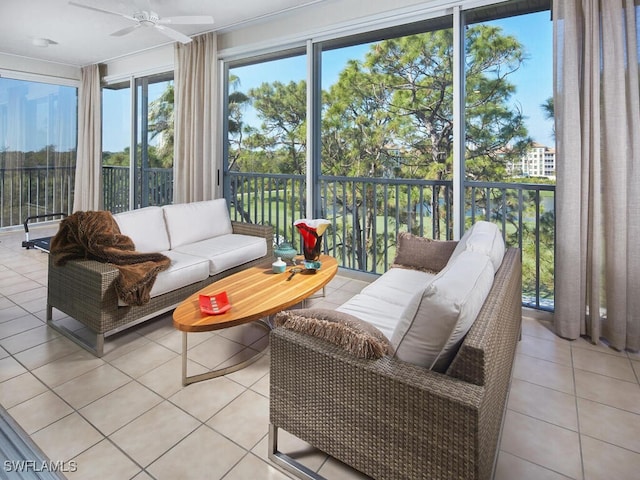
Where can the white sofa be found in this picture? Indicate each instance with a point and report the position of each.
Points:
(199, 238)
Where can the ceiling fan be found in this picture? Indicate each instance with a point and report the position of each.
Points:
(149, 18)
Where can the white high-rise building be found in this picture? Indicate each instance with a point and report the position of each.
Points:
(539, 161)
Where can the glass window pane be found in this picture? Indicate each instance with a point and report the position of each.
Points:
(387, 143)
(38, 125)
(146, 175)
(154, 140)
(510, 143)
(509, 99)
(267, 144)
(116, 141)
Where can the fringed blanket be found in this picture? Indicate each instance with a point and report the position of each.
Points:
(95, 235)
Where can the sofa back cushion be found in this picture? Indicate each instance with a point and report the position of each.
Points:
(448, 308)
(146, 227)
(483, 237)
(193, 222)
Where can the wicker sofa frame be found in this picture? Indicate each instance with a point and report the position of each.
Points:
(85, 291)
(394, 420)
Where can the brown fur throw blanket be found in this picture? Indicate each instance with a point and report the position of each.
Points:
(95, 235)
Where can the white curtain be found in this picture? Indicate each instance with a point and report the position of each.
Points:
(88, 184)
(196, 79)
(597, 111)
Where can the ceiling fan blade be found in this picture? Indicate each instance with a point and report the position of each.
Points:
(170, 32)
(102, 10)
(187, 20)
(124, 31)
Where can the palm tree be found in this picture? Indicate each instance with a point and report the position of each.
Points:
(161, 125)
(549, 113)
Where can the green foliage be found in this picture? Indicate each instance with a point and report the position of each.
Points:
(282, 110)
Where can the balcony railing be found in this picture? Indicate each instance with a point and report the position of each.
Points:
(30, 191)
(367, 214)
(154, 187)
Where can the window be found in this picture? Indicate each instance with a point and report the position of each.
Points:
(145, 176)
(38, 125)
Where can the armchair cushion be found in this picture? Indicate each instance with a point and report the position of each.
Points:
(421, 253)
(355, 336)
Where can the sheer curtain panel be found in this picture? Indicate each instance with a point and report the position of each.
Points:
(88, 183)
(196, 78)
(597, 111)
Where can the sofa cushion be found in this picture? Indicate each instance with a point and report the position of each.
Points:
(192, 222)
(483, 237)
(350, 333)
(184, 270)
(146, 227)
(398, 285)
(448, 307)
(226, 251)
(422, 253)
(380, 313)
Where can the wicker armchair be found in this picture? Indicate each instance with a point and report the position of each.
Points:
(85, 290)
(394, 420)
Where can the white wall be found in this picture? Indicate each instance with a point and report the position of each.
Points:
(25, 67)
(328, 19)
(148, 62)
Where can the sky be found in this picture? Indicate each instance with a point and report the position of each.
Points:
(534, 80)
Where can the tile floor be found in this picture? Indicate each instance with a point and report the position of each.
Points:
(573, 411)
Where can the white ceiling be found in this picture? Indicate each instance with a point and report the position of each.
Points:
(82, 36)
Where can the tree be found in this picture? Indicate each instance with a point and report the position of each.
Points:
(235, 124)
(549, 112)
(282, 135)
(161, 126)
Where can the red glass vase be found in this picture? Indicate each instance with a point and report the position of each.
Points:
(311, 231)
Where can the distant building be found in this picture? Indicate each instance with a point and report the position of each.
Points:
(539, 161)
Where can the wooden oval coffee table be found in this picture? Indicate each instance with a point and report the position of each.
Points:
(254, 294)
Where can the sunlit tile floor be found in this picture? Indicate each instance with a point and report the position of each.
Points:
(573, 411)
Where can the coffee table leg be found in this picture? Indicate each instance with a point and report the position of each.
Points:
(184, 359)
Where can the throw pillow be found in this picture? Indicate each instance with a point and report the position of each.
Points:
(422, 253)
(357, 337)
